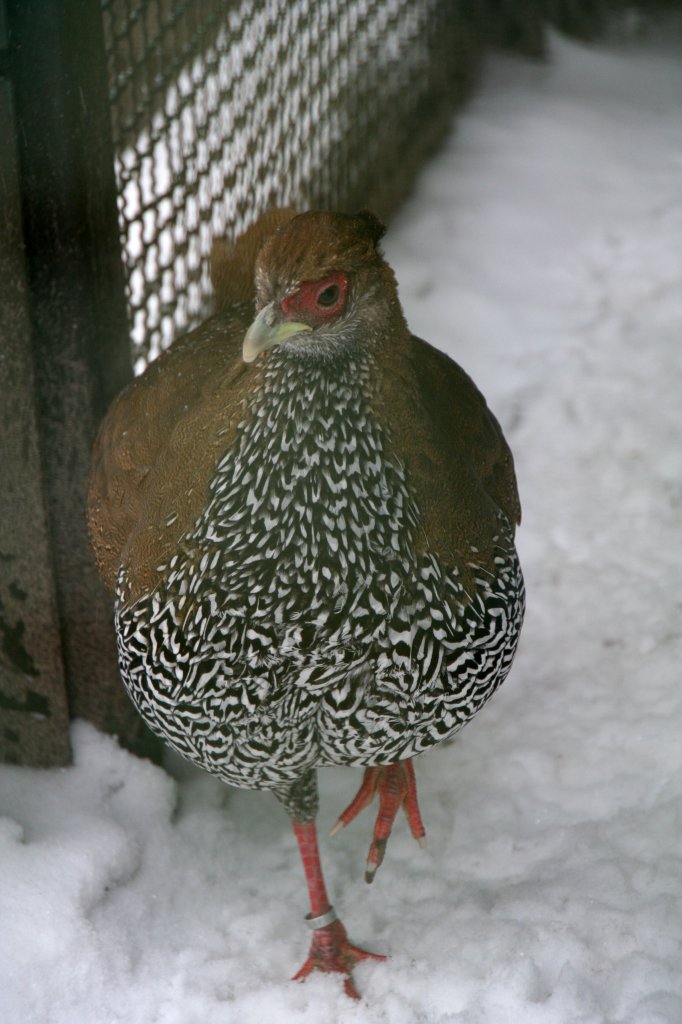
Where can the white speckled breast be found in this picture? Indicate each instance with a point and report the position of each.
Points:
(297, 625)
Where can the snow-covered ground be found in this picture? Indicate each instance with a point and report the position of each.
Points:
(543, 249)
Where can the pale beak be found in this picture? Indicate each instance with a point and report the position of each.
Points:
(266, 331)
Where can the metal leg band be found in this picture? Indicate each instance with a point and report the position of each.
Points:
(322, 920)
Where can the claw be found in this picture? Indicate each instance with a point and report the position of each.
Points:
(397, 787)
(331, 951)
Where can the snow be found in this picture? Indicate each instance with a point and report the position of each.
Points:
(543, 250)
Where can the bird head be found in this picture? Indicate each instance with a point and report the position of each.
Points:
(321, 283)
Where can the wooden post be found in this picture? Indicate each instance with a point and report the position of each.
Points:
(65, 354)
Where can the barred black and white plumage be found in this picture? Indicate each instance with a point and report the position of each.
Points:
(298, 624)
(307, 521)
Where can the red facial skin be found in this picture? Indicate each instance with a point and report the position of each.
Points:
(317, 302)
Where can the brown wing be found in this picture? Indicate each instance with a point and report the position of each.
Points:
(163, 435)
(459, 465)
(158, 446)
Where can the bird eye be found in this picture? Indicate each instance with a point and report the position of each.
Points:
(321, 300)
(329, 296)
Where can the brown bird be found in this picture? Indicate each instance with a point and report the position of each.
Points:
(307, 520)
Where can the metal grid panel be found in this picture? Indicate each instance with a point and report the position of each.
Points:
(220, 110)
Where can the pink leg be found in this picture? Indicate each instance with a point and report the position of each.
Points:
(397, 787)
(330, 949)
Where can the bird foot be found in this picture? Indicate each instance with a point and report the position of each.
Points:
(397, 787)
(331, 951)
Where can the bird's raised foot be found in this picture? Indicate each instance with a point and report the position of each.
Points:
(397, 787)
(331, 951)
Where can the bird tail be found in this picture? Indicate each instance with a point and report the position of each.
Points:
(232, 262)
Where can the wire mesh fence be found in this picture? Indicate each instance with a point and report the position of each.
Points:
(220, 110)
